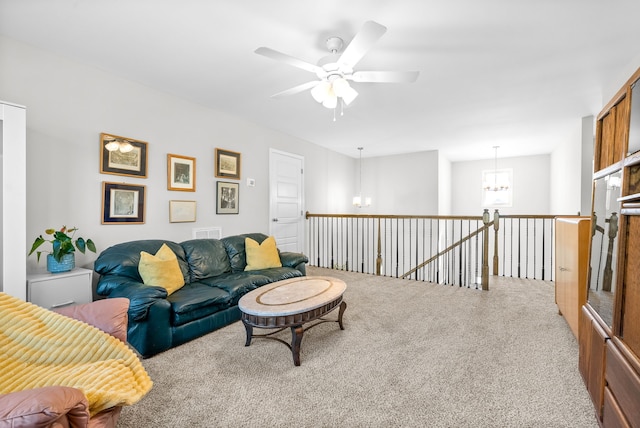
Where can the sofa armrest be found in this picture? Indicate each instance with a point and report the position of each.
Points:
(290, 259)
(47, 406)
(109, 315)
(140, 296)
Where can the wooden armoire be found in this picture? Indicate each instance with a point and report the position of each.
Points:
(609, 333)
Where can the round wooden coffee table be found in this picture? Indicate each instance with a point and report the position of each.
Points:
(290, 304)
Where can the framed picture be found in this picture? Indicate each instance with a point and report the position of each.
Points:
(227, 198)
(227, 164)
(122, 203)
(123, 156)
(182, 211)
(181, 173)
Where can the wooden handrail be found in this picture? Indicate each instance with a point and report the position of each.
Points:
(397, 243)
(380, 216)
(446, 250)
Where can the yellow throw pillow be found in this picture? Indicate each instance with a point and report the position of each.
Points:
(162, 269)
(262, 256)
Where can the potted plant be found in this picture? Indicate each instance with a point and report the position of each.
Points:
(61, 258)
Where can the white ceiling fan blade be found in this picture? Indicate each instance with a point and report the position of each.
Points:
(385, 76)
(279, 56)
(296, 89)
(369, 34)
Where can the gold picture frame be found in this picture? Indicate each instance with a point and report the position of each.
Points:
(181, 173)
(123, 156)
(227, 164)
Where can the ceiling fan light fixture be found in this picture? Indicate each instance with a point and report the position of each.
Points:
(349, 94)
(321, 91)
(331, 101)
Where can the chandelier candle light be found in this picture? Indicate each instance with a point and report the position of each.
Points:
(357, 200)
(500, 182)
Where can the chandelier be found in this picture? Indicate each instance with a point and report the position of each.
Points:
(498, 181)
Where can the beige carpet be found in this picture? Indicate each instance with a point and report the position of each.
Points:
(412, 354)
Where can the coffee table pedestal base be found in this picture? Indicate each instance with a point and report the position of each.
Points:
(295, 322)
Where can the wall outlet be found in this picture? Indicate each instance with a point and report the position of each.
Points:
(251, 182)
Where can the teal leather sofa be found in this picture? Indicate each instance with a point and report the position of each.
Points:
(214, 278)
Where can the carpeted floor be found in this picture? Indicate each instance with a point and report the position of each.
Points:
(412, 354)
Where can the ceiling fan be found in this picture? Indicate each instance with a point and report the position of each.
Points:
(336, 70)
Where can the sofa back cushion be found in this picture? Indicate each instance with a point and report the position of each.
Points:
(123, 259)
(207, 258)
(236, 249)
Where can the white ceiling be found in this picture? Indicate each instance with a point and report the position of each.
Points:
(518, 74)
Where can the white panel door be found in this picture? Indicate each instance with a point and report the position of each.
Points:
(286, 200)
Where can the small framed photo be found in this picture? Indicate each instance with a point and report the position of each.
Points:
(227, 164)
(122, 203)
(182, 211)
(227, 201)
(181, 173)
(123, 156)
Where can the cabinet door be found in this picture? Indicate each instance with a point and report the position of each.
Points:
(611, 134)
(624, 384)
(591, 361)
(629, 324)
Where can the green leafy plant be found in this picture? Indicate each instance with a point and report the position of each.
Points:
(62, 243)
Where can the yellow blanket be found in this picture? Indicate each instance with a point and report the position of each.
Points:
(42, 348)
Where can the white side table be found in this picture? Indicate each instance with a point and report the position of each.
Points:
(55, 290)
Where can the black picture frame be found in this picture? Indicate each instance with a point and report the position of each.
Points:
(227, 197)
(227, 164)
(123, 203)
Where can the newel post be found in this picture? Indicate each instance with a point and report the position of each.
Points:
(485, 250)
(379, 258)
(496, 226)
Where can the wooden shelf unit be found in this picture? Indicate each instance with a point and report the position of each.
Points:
(609, 335)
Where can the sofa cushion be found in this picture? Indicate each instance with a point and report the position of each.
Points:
(161, 269)
(236, 249)
(261, 256)
(206, 257)
(195, 301)
(237, 284)
(123, 259)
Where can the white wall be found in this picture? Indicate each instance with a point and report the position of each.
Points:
(400, 184)
(70, 104)
(445, 200)
(530, 185)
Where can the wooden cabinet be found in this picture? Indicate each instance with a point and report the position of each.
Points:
(592, 340)
(609, 335)
(573, 235)
(55, 290)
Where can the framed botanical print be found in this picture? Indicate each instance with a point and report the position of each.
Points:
(181, 173)
(122, 203)
(227, 164)
(182, 211)
(123, 156)
(227, 201)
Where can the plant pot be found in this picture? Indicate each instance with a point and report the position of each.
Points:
(66, 263)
